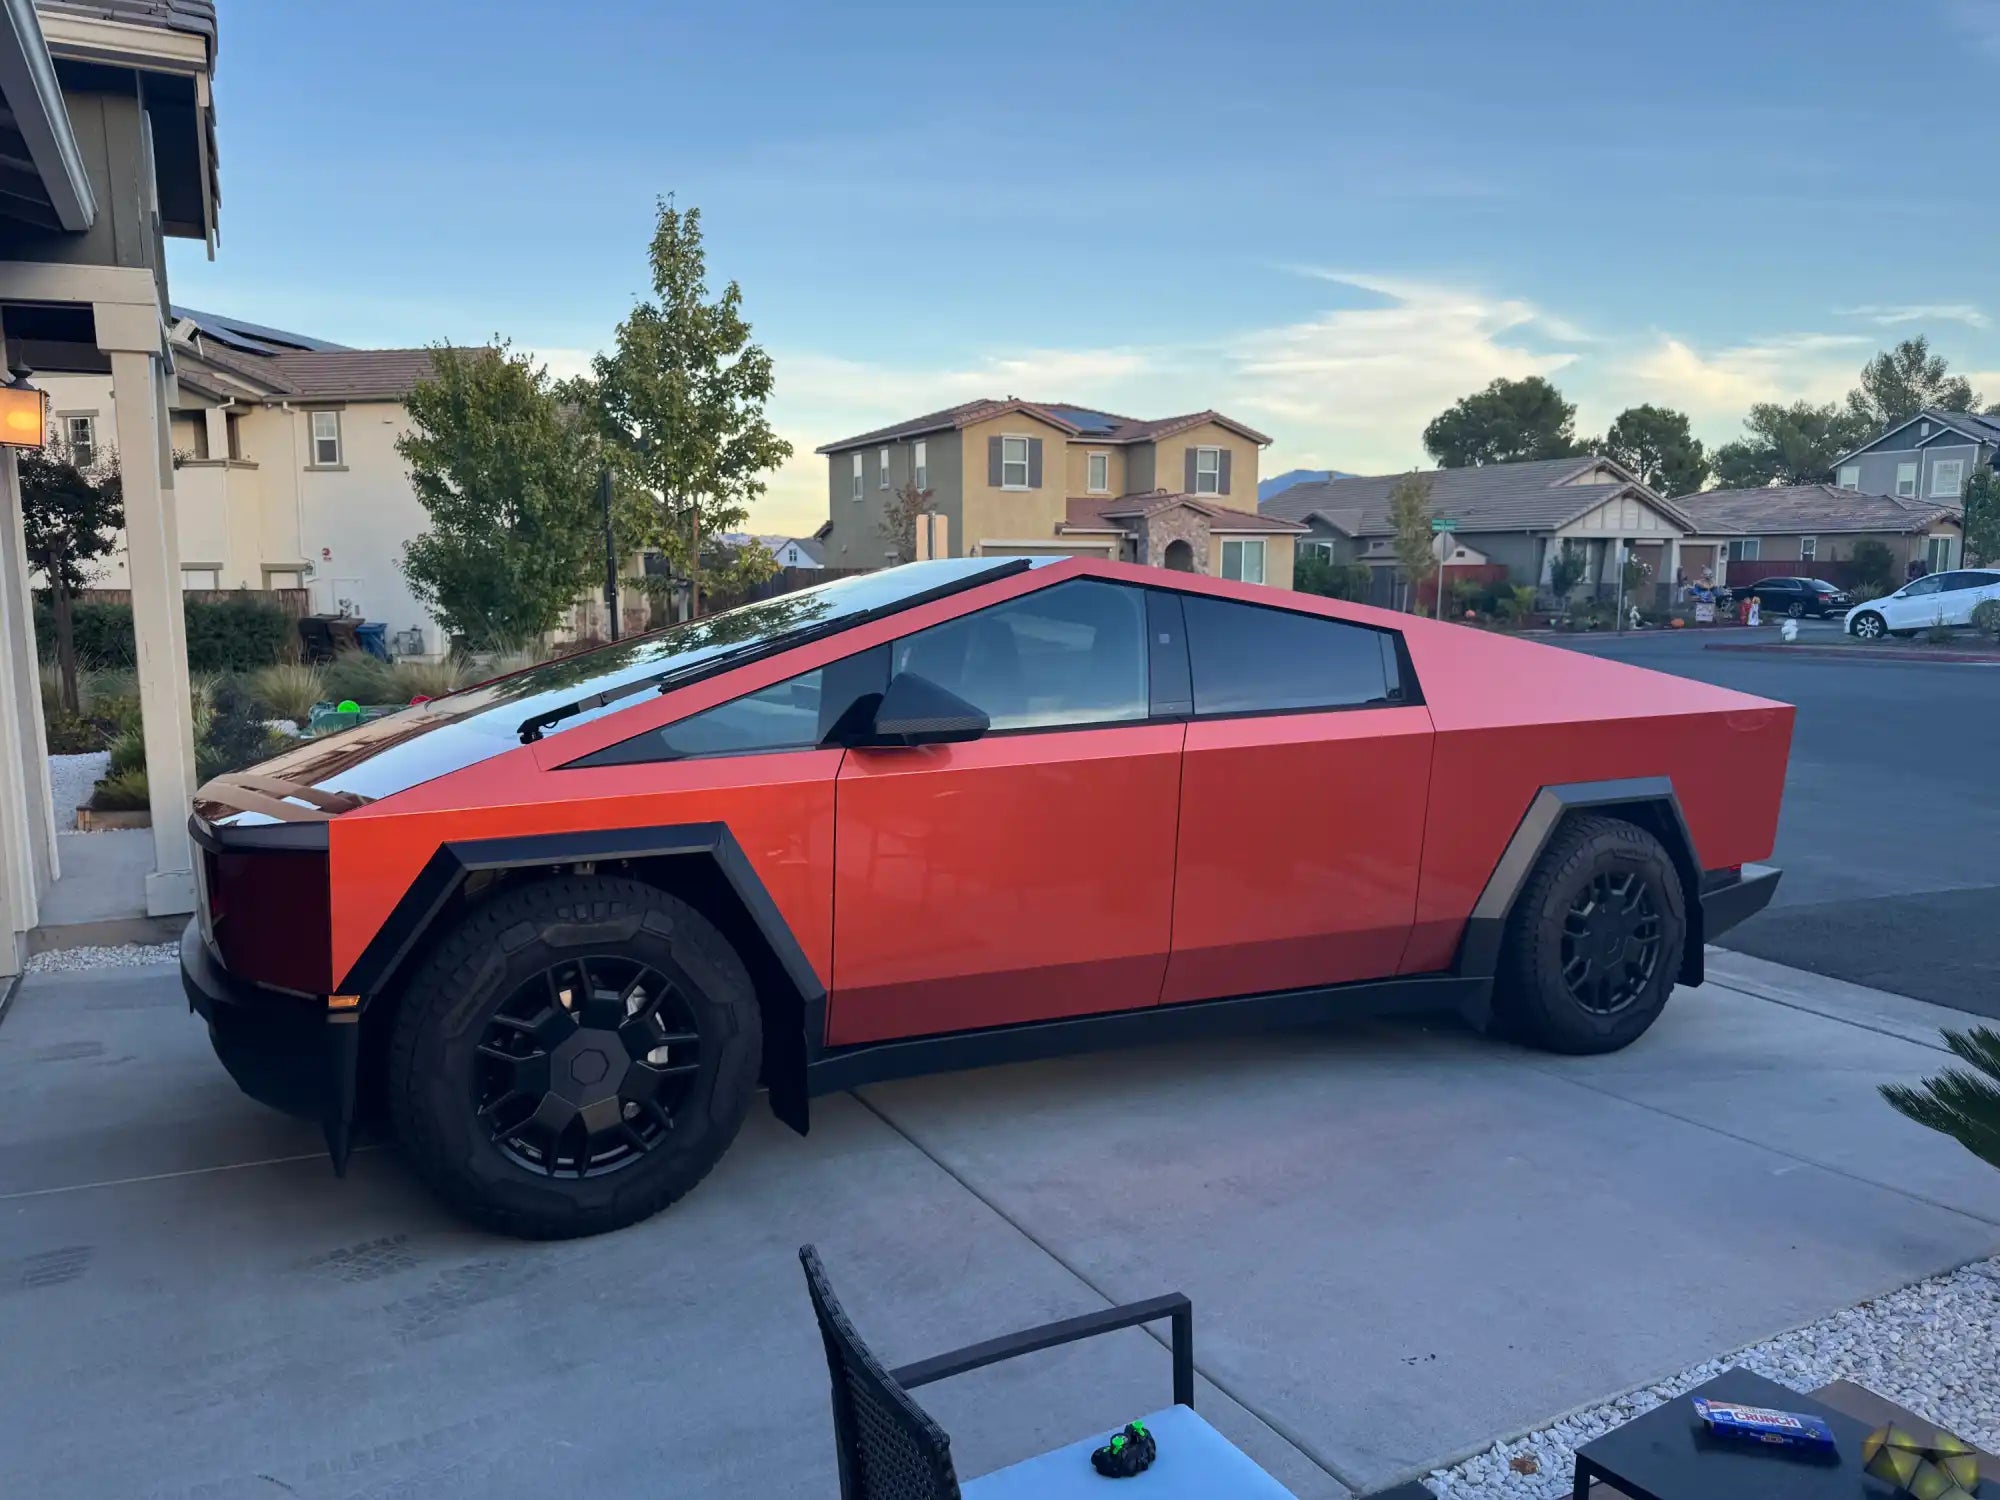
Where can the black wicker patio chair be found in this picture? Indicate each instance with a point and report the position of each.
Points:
(890, 1449)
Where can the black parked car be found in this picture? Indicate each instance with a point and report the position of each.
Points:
(1798, 596)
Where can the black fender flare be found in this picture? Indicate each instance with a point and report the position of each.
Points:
(795, 1012)
(1649, 801)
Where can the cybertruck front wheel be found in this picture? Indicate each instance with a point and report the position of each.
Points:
(1594, 941)
(573, 1057)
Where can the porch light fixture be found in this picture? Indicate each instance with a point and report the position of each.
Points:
(24, 416)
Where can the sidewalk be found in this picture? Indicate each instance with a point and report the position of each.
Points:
(1401, 1241)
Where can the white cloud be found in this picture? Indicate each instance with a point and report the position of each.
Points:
(1978, 19)
(562, 363)
(1919, 312)
(1715, 387)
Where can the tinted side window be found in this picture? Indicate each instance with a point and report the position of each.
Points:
(1955, 581)
(1929, 584)
(1247, 660)
(1069, 655)
(799, 713)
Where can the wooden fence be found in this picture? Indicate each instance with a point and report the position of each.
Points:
(295, 602)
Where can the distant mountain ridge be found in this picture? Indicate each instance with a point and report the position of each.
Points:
(1278, 483)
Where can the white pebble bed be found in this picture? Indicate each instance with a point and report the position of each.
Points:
(119, 956)
(70, 779)
(1933, 1348)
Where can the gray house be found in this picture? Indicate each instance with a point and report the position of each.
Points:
(1927, 458)
(1512, 521)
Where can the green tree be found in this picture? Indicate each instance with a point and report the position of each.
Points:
(1313, 572)
(1963, 1103)
(1872, 563)
(70, 514)
(1656, 443)
(1794, 444)
(1567, 569)
(1508, 421)
(683, 393)
(1982, 518)
(508, 475)
(1416, 543)
(1900, 382)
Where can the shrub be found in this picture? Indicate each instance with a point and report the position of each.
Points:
(364, 678)
(1986, 617)
(230, 635)
(1861, 593)
(1873, 564)
(1963, 1103)
(289, 690)
(1518, 603)
(1940, 634)
(1314, 574)
(126, 792)
(128, 753)
(430, 679)
(72, 734)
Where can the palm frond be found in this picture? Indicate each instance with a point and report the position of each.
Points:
(1963, 1105)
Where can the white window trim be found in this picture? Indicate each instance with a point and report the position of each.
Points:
(854, 490)
(1090, 463)
(1908, 471)
(920, 464)
(1808, 549)
(1027, 462)
(1850, 476)
(1939, 489)
(1214, 474)
(65, 419)
(882, 458)
(313, 440)
(1244, 544)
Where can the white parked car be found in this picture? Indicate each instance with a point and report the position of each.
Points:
(1934, 599)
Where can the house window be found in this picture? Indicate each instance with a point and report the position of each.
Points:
(1947, 478)
(1808, 549)
(201, 578)
(920, 465)
(857, 476)
(1243, 560)
(1208, 471)
(1746, 549)
(326, 440)
(1937, 553)
(1850, 476)
(1098, 469)
(1323, 549)
(81, 435)
(1013, 463)
(882, 462)
(1906, 481)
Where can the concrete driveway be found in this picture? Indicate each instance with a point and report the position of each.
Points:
(1401, 1241)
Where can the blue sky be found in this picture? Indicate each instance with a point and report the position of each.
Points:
(1326, 219)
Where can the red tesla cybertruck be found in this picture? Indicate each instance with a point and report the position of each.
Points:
(556, 929)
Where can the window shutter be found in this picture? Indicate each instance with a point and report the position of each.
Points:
(1034, 463)
(1222, 479)
(993, 462)
(1189, 486)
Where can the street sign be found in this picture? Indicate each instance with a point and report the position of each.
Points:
(1444, 523)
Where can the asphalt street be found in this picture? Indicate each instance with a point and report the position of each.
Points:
(1890, 833)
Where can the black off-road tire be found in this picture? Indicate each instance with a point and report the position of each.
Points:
(1533, 1001)
(472, 973)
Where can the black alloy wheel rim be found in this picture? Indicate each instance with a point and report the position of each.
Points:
(1611, 942)
(580, 1071)
(1795, 609)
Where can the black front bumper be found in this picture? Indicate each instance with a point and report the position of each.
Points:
(275, 1045)
(1728, 902)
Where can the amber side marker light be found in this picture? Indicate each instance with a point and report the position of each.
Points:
(23, 413)
(343, 1002)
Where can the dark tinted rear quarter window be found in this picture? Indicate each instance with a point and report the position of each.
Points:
(1251, 660)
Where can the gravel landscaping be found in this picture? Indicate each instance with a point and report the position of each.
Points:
(120, 956)
(1932, 1347)
(70, 778)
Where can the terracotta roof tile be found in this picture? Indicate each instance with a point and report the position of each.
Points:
(1105, 512)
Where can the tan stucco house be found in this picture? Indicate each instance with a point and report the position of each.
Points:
(1033, 477)
(1812, 528)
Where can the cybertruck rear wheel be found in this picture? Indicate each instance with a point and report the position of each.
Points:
(574, 1056)
(1594, 941)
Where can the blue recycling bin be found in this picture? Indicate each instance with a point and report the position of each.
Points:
(372, 636)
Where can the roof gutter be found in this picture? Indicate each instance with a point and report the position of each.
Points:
(28, 81)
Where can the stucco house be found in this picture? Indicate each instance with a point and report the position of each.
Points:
(1926, 458)
(1811, 529)
(1515, 517)
(286, 467)
(1043, 477)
